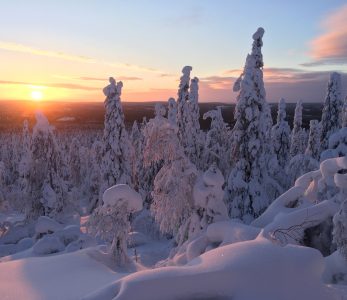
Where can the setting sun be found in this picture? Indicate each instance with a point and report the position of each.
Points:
(37, 95)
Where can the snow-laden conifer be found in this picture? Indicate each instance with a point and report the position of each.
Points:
(217, 142)
(297, 144)
(313, 145)
(280, 134)
(246, 193)
(116, 166)
(333, 105)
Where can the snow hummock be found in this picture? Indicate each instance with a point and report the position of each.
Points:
(256, 269)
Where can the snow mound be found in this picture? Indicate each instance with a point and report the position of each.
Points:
(122, 193)
(48, 245)
(47, 225)
(251, 270)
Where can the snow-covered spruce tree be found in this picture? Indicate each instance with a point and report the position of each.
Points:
(217, 142)
(280, 136)
(3, 202)
(344, 114)
(313, 145)
(137, 142)
(340, 229)
(116, 166)
(246, 194)
(297, 144)
(173, 185)
(74, 163)
(331, 115)
(172, 111)
(46, 190)
(209, 206)
(91, 184)
(337, 145)
(182, 100)
(194, 139)
(23, 169)
(309, 161)
(110, 221)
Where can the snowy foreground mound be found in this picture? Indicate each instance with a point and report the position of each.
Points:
(256, 269)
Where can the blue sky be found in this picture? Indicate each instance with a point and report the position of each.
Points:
(55, 44)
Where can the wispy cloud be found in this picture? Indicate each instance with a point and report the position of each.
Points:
(35, 51)
(53, 85)
(331, 46)
(104, 79)
(16, 47)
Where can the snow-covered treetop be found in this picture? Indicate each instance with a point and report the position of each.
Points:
(298, 114)
(184, 81)
(119, 194)
(160, 110)
(281, 115)
(213, 176)
(42, 123)
(256, 47)
(194, 90)
(111, 89)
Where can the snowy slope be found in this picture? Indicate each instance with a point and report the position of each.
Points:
(68, 276)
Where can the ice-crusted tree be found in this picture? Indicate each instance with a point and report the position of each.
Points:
(173, 185)
(2, 187)
(182, 100)
(217, 142)
(344, 114)
(137, 142)
(209, 206)
(193, 135)
(313, 146)
(337, 145)
(280, 136)
(46, 190)
(297, 144)
(307, 162)
(110, 221)
(116, 166)
(331, 115)
(23, 169)
(340, 229)
(74, 163)
(245, 193)
(172, 111)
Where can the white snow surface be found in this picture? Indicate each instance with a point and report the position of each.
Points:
(250, 270)
(69, 277)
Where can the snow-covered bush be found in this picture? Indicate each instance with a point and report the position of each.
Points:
(110, 221)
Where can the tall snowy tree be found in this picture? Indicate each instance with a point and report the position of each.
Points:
(46, 189)
(246, 194)
(344, 114)
(172, 111)
(182, 100)
(340, 229)
(193, 135)
(297, 144)
(217, 142)
(173, 185)
(74, 163)
(313, 145)
(116, 166)
(331, 115)
(280, 134)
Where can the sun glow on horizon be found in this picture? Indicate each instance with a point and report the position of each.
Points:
(36, 95)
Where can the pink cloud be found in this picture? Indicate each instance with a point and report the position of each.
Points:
(331, 46)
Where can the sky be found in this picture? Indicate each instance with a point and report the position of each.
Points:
(65, 50)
